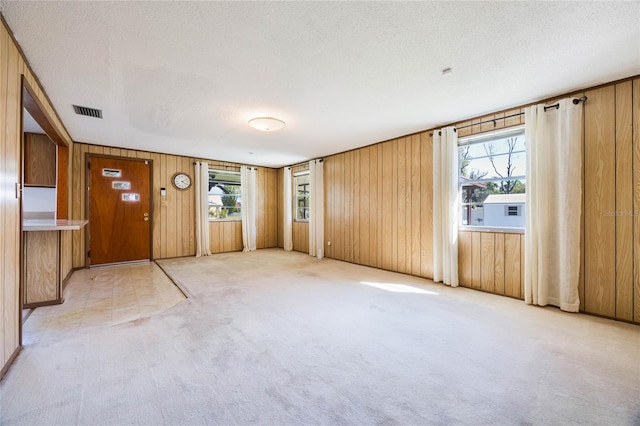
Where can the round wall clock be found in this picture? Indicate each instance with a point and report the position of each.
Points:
(181, 181)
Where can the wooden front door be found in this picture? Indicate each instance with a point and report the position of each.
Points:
(119, 195)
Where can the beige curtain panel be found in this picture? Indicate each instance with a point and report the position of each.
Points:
(202, 209)
(446, 206)
(554, 204)
(248, 210)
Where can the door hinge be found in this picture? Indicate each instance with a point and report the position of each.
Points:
(89, 253)
(18, 190)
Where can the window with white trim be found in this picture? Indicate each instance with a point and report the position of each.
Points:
(492, 179)
(225, 195)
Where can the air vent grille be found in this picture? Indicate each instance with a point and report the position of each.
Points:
(89, 112)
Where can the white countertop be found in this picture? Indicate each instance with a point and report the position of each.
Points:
(52, 225)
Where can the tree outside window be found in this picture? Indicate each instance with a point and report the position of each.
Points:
(225, 195)
(492, 174)
(301, 192)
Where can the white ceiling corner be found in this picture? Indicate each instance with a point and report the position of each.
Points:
(185, 77)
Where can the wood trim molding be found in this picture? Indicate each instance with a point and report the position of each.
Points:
(12, 358)
(212, 163)
(58, 301)
(39, 113)
(65, 280)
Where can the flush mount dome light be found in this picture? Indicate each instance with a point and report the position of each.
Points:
(267, 124)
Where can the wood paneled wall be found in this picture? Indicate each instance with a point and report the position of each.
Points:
(610, 277)
(40, 160)
(40, 278)
(266, 212)
(174, 214)
(492, 262)
(12, 67)
(300, 234)
(515, 117)
(378, 205)
(611, 201)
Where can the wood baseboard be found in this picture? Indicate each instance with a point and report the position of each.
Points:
(9, 362)
(40, 304)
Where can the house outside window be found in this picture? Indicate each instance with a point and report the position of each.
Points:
(493, 179)
(225, 195)
(301, 194)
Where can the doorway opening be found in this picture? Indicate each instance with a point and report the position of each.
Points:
(45, 189)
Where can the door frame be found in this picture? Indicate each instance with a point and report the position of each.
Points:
(87, 204)
(30, 102)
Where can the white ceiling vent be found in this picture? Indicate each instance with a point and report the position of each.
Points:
(89, 112)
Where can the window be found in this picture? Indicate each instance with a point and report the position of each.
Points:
(225, 195)
(301, 194)
(492, 179)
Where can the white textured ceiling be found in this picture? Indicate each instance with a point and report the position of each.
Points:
(185, 77)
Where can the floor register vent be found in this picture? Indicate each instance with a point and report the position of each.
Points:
(89, 112)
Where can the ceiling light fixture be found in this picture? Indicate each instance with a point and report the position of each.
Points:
(267, 124)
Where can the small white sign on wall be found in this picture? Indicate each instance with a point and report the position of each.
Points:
(130, 197)
(111, 172)
(121, 185)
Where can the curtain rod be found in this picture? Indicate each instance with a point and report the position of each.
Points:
(226, 167)
(306, 163)
(493, 120)
(575, 101)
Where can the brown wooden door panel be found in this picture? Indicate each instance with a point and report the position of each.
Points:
(119, 210)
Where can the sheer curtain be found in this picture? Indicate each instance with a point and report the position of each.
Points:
(446, 206)
(202, 209)
(316, 208)
(288, 220)
(554, 205)
(248, 210)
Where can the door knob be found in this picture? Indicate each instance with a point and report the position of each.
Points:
(146, 214)
(146, 219)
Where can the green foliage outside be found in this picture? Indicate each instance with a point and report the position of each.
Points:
(230, 201)
(229, 208)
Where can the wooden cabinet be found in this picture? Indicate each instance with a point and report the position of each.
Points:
(46, 265)
(41, 258)
(39, 160)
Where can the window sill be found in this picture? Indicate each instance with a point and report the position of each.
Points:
(301, 221)
(225, 220)
(492, 229)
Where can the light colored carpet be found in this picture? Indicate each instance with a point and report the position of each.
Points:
(280, 338)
